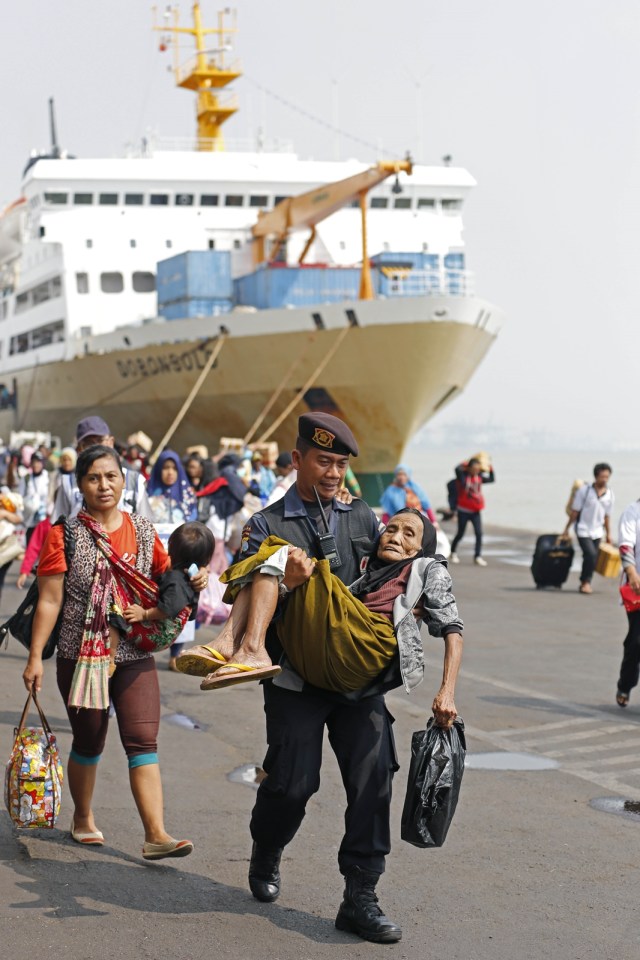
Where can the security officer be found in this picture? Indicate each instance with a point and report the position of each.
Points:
(359, 724)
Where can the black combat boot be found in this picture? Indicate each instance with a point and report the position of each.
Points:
(359, 911)
(264, 873)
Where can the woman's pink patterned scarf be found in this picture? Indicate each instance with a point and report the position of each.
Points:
(116, 584)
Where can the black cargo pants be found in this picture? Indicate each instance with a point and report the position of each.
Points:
(361, 737)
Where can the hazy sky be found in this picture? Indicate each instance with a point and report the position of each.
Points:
(538, 100)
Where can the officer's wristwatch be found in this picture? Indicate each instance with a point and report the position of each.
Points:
(283, 590)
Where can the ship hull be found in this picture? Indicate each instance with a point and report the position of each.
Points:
(384, 366)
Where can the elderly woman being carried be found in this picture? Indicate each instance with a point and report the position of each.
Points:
(336, 637)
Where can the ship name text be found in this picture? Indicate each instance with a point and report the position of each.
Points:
(153, 366)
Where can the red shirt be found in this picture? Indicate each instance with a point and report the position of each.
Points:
(123, 540)
(382, 600)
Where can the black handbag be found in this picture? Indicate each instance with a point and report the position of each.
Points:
(20, 625)
(433, 785)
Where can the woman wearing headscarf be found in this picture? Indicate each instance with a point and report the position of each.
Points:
(173, 501)
(65, 474)
(200, 472)
(404, 492)
(337, 637)
(34, 489)
(171, 496)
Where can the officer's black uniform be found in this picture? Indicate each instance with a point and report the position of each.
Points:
(359, 724)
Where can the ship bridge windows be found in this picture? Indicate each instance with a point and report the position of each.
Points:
(38, 337)
(133, 199)
(234, 200)
(58, 198)
(402, 203)
(159, 199)
(143, 281)
(82, 282)
(83, 199)
(42, 292)
(184, 200)
(209, 200)
(427, 203)
(22, 303)
(379, 203)
(258, 200)
(451, 205)
(108, 199)
(111, 282)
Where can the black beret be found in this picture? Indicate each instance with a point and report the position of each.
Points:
(328, 433)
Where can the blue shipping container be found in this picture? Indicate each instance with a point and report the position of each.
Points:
(182, 309)
(197, 274)
(296, 286)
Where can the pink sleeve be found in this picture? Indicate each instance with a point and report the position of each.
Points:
(32, 552)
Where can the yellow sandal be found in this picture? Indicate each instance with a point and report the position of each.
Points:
(200, 661)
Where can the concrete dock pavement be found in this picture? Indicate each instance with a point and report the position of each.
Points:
(529, 870)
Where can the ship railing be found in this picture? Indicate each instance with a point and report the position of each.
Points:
(188, 144)
(419, 283)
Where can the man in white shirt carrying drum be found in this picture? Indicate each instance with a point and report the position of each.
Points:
(591, 512)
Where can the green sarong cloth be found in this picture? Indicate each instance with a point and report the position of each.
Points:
(331, 639)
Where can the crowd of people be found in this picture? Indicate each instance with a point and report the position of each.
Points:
(130, 551)
(318, 596)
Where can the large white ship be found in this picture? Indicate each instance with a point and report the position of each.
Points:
(83, 248)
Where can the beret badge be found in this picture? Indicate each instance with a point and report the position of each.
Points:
(323, 438)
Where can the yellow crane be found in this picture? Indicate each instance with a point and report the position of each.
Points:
(308, 209)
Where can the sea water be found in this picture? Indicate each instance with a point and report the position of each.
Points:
(532, 487)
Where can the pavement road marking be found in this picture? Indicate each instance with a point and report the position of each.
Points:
(583, 734)
(538, 727)
(595, 748)
(614, 780)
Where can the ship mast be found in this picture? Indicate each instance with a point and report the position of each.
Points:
(205, 73)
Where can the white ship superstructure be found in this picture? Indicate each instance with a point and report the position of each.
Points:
(79, 251)
(79, 322)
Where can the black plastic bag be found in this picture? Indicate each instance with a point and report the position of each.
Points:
(433, 786)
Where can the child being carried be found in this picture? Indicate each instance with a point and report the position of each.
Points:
(190, 547)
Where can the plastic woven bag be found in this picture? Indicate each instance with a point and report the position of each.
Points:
(33, 777)
(433, 786)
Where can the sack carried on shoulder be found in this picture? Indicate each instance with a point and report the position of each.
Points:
(33, 778)
(20, 625)
(433, 785)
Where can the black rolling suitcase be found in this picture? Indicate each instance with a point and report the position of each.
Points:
(552, 560)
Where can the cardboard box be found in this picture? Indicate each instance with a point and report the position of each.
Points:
(608, 563)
